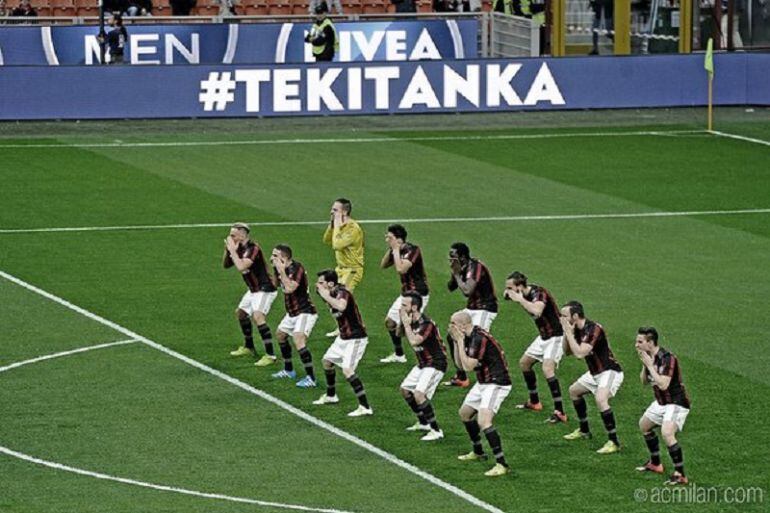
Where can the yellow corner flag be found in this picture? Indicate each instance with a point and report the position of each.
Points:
(708, 64)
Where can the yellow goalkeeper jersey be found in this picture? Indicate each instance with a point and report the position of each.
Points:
(348, 244)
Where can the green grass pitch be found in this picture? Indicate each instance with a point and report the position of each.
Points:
(133, 412)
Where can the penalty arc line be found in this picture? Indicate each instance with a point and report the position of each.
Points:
(259, 393)
(359, 140)
(143, 484)
(545, 217)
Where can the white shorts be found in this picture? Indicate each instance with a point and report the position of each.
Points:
(487, 396)
(481, 318)
(423, 380)
(659, 414)
(302, 323)
(609, 379)
(346, 353)
(393, 313)
(257, 302)
(550, 349)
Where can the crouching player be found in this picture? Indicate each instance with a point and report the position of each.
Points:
(420, 384)
(349, 346)
(477, 350)
(660, 368)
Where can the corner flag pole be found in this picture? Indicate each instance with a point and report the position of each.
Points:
(708, 65)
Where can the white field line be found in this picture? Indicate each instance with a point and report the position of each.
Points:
(184, 491)
(740, 137)
(356, 140)
(554, 217)
(67, 353)
(260, 393)
(98, 475)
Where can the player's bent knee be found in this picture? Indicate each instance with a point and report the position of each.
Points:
(525, 363)
(549, 368)
(389, 324)
(240, 314)
(668, 430)
(405, 393)
(259, 317)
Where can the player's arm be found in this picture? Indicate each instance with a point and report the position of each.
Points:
(341, 240)
(580, 350)
(402, 265)
(452, 284)
(467, 363)
(663, 380)
(387, 259)
(289, 285)
(643, 376)
(466, 286)
(242, 264)
(533, 308)
(337, 303)
(227, 262)
(413, 338)
(328, 234)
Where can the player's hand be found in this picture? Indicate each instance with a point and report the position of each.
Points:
(514, 295)
(566, 326)
(455, 266)
(230, 244)
(337, 219)
(646, 359)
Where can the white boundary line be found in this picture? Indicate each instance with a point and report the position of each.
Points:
(359, 140)
(67, 353)
(184, 491)
(555, 217)
(740, 137)
(259, 393)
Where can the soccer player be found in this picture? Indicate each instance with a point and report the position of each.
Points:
(669, 410)
(245, 255)
(346, 237)
(587, 339)
(406, 258)
(300, 316)
(349, 346)
(476, 350)
(546, 348)
(472, 277)
(420, 384)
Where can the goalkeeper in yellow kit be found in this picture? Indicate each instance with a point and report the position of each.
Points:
(346, 237)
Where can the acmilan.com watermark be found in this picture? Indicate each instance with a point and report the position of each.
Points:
(694, 494)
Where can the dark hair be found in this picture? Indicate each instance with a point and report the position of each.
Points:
(649, 333)
(415, 297)
(347, 206)
(461, 249)
(398, 231)
(518, 278)
(118, 18)
(576, 308)
(329, 275)
(284, 249)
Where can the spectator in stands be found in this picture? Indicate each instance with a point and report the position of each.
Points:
(116, 39)
(738, 9)
(336, 5)
(24, 9)
(404, 5)
(600, 7)
(4, 11)
(445, 5)
(323, 35)
(226, 7)
(139, 8)
(181, 7)
(503, 6)
(118, 6)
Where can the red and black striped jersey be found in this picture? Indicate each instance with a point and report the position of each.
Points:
(548, 323)
(297, 302)
(492, 366)
(256, 277)
(349, 320)
(600, 358)
(667, 364)
(483, 296)
(431, 353)
(414, 279)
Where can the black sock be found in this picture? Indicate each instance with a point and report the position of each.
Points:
(460, 374)
(248, 338)
(651, 439)
(267, 338)
(397, 347)
(358, 388)
(288, 366)
(609, 423)
(676, 456)
(472, 427)
(531, 380)
(429, 415)
(582, 413)
(415, 408)
(307, 361)
(495, 444)
(331, 378)
(553, 384)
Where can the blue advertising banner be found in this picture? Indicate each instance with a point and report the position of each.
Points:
(93, 92)
(234, 43)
